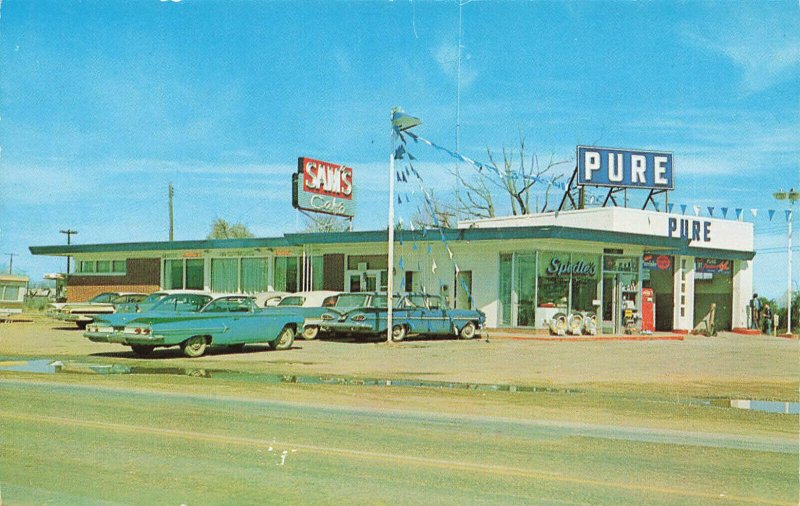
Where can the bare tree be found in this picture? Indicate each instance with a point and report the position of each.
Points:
(325, 223)
(221, 229)
(517, 183)
(433, 213)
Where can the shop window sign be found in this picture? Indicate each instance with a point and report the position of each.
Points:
(712, 266)
(559, 267)
(656, 262)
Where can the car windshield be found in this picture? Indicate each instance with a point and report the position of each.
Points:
(292, 300)
(182, 302)
(351, 300)
(154, 297)
(103, 297)
(229, 305)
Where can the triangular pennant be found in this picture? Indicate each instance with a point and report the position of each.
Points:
(450, 252)
(403, 284)
(457, 269)
(669, 207)
(683, 208)
(433, 267)
(655, 204)
(399, 178)
(399, 152)
(754, 212)
(404, 178)
(411, 157)
(401, 264)
(739, 213)
(430, 250)
(414, 247)
(696, 210)
(788, 215)
(399, 201)
(710, 211)
(771, 213)
(724, 211)
(407, 201)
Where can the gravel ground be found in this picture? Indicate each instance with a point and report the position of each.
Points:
(726, 359)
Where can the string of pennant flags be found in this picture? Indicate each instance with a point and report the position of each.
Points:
(402, 152)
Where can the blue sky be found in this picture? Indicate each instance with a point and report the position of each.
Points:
(104, 103)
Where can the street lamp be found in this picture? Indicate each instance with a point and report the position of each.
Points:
(400, 123)
(791, 196)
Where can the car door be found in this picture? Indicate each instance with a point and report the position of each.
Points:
(244, 322)
(438, 320)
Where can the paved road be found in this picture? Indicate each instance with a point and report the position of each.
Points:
(74, 443)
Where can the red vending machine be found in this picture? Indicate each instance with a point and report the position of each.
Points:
(648, 310)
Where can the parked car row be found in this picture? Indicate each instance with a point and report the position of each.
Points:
(196, 320)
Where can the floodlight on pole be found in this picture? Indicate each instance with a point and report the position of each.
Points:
(791, 197)
(400, 123)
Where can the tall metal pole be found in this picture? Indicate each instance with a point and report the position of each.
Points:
(792, 196)
(390, 267)
(11, 262)
(458, 110)
(789, 289)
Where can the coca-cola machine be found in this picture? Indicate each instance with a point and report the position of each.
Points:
(648, 310)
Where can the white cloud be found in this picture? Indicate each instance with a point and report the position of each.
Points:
(766, 52)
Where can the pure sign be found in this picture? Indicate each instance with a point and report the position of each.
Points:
(624, 168)
(323, 187)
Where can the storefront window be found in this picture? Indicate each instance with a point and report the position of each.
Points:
(585, 272)
(195, 275)
(553, 280)
(505, 288)
(525, 287)
(173, 274)
(255, 275)
(286, 274)
(224, 277)
(103, 266)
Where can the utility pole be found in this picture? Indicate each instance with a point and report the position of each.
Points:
(69, 232)
(11, 262)
(171, 218)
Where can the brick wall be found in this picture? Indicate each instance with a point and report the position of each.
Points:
(84, 293)
(143, 275)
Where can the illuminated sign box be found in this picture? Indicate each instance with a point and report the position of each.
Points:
(624, 168)
(323, 187)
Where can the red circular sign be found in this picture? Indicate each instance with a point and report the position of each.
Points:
(663, 262)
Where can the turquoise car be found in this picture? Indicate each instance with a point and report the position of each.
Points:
(178, 303)
(413, 314)
(230, 321)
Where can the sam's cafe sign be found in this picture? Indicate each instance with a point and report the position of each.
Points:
(323, 187)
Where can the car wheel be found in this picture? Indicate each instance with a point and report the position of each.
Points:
(284, 341)
(398, 333)
(142, 349)
(468, 331)
(194, 346)
(310, 332)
